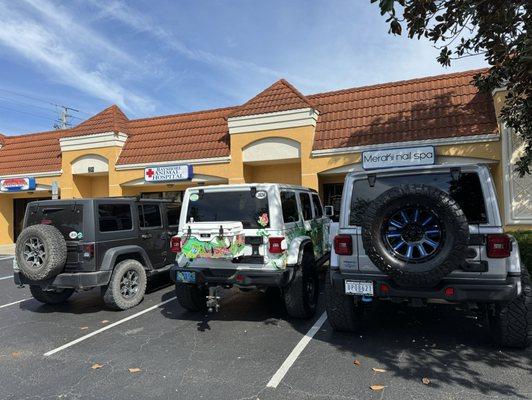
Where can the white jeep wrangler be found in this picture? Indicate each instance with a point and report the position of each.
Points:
(254, 236)
(427, 234)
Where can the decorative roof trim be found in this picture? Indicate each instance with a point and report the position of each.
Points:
(106, 139)
(271, 121)
(34, 174)
(196, 161)
(490, 137)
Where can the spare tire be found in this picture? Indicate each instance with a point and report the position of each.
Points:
(41, 252)
(416, 234)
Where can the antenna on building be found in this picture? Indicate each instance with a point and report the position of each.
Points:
(63, 122)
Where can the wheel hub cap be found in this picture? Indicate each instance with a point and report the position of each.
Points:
(129, 284)
(413, 234)
(34, 252)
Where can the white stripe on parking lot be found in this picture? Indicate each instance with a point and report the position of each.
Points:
(292, 357)
(15, 302)
(81, 339)
(5, 277)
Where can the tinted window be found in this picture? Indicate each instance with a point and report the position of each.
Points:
(114, 217)
(466, 191)
(150, 216)
(318, 211)
(289, 205)
(238, 205)
(306, 208)
(172, 213)
(65, 218)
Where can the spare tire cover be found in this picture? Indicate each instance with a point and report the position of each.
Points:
(416, 234)
(41, 252)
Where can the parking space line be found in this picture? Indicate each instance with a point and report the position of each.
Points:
(15, 302)
(121, 321)
(5, 277)
(292, 357)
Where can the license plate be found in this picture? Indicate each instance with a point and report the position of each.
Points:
(359, 287)
(185, 277)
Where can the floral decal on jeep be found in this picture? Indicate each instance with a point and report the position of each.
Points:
(263, 221)
(219, 247)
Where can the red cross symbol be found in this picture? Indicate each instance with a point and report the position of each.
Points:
(150, 172)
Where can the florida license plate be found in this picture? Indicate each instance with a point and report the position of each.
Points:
(185, 277)
(359, 287)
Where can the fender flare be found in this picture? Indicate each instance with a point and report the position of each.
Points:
(111, 255)
(295, 250)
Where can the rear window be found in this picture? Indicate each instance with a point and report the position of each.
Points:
(66, 218)
(466, 191)
(241, 205)
(114, 217)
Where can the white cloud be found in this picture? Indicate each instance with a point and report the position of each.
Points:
(72, 60)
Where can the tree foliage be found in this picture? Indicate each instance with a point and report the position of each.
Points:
(498, 30)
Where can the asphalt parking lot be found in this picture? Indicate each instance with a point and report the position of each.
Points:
(80, 350)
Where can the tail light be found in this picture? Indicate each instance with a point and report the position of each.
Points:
(498, 246)
(343, 245)
(175, 244)
(276, 245)
(88, 251)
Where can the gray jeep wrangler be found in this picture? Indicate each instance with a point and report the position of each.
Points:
(111, 243)
(427, 234)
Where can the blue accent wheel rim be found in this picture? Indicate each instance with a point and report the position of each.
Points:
(413, 234)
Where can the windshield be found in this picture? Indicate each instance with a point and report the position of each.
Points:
(466, 191)
(67, 218)
(241, 206)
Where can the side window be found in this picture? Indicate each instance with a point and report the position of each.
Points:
(150, 216)
(172, 214)
(289, 205)
(306, 206)
(114, 217)
(318, 211)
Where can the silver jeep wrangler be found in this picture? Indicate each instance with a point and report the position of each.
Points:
(427, 234)
(253, 236)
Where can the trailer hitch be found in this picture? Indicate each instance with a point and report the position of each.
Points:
(213, 304)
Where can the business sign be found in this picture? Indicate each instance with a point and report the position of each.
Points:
(17, 184)
(168, 173)
(406, 157)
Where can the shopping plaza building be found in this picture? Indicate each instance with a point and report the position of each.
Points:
(280, 135)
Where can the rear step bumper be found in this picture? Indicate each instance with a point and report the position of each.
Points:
(243, 278)
(78, 280)
(464, 291)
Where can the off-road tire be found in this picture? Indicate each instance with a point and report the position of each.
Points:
(50, 297)
(54, 247)
(191, 297)
(342, 312)
(299, 303)
(454, 223)
(511, 323)
(111, 293)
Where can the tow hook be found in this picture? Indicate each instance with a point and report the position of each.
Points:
(213, 304)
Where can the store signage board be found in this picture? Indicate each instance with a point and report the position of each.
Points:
(405, 157)
(169, 173)
(22, 184)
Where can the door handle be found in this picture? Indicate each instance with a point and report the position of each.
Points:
(146, 235)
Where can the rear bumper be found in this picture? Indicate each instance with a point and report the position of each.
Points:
(79, 280)
(242, 278)
(464, 291)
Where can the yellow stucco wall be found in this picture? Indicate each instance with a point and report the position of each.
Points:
(308, 171)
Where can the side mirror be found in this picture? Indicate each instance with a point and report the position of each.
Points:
(329, 211)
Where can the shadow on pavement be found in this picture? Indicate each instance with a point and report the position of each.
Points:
(447, 345)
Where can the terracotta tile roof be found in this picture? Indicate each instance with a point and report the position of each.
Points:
(112, 119)
(281, 96)
(428, 108)
(202, 134)
(38, 152)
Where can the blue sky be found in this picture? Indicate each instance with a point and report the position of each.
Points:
(166, 57)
